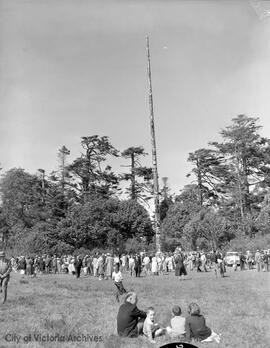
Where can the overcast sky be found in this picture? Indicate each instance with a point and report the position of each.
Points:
(72, 68)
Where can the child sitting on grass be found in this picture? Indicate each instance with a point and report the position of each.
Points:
(118, 278)
(151, 329)
(177, 328)
(195, 326)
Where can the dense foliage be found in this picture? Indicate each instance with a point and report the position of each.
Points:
(83, 205)
(229, 198)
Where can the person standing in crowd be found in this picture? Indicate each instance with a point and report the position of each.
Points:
(41, 265)
(249, 259)
(78, 265)
(116, 261)
(89, 264)
(71, 265)
(129, 317)
(138, 265)
(13, 264)
(160, 263)
(29, 264)
(101, 264)
(84, 266)
(198, 262)
(65, 265)
(95, 264)
(242, 261)
(131, 264)
(258, 260)
(5, 269)
(146, 265)
(219, 263)
(123, 262)
(265, 261)
(58, 265)
(167, 260)
(193, 259)
(109, 266)
(48, 262)
(164, 264)
(154, 265)
(179, 264)
(54, 264)
(22, 265)
(203, 261)
(171, 263)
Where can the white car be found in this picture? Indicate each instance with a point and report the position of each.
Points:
(231, 258)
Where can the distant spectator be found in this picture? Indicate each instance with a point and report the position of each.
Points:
(258, 260)
(242, 261)
(138, 265)
(78, 266)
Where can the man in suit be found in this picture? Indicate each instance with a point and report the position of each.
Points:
(129, 318)
(5, 269)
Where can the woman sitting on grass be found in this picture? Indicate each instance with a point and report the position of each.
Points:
(196, 328)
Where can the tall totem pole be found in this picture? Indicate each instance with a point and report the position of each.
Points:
(154, 152)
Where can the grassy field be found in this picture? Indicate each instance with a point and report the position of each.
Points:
(237, 306)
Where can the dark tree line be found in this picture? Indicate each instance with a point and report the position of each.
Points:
(84, 203)
(79, 205)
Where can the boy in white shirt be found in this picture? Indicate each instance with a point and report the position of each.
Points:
(118, 278)
(177, 328)
(151, 329)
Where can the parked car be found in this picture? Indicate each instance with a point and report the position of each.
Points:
(231, 258)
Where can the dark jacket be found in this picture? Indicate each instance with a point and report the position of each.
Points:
(196, 328)
(179, 265)
(127, 320)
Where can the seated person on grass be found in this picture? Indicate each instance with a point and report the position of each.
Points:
(151, 329)
(196, 328)
(177, 329)
(129, 317)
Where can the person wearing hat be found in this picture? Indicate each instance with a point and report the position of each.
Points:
(5, 269)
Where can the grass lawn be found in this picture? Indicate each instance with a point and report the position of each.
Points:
(237, 306)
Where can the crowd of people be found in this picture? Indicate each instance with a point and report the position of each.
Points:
(132, 322)
(102, 265)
